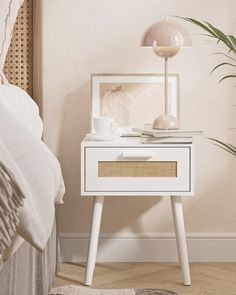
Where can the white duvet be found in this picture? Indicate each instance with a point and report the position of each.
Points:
(37, 172)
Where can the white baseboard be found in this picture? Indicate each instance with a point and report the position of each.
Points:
(128, 247)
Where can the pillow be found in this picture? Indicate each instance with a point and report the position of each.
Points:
(8, 14)
(23, 107)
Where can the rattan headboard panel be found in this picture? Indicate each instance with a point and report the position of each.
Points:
(19, 63)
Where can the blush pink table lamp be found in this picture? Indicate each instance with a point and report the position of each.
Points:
(166, 38)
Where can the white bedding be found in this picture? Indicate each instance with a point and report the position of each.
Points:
(37, 172)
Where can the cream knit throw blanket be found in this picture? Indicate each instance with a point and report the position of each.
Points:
(11, 199)
(79, 290)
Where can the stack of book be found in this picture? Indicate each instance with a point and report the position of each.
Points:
(149, 135)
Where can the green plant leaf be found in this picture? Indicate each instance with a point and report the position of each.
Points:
(228, 40)
(222, 64)
(205, 27)
(207, 35)
(221, 36)
(224, 54)
(225, 146)
(233, 40)
(200, 24)
(227, 77)
(232, 146)
(228, 151)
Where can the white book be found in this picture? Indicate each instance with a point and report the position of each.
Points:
(178, 133)
(152, 140)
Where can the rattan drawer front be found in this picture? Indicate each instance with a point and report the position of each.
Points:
(137, 169)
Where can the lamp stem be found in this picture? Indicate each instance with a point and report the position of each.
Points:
(166, 87)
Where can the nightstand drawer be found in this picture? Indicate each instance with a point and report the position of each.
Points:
(137, 170)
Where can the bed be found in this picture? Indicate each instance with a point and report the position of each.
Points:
(30, 263)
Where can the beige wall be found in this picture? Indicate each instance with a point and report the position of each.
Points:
(86, 36)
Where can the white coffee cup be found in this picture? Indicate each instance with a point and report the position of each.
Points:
(104, 126)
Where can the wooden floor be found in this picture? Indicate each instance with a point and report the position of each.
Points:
(207, 278)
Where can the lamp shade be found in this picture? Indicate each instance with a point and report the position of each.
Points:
(166, 33)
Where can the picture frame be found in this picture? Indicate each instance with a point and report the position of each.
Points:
(133, 100)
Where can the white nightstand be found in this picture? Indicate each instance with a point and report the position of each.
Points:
(125, 167)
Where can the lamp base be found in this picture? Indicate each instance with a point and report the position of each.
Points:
(165, 122)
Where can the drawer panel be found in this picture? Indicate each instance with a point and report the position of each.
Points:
(137, 170)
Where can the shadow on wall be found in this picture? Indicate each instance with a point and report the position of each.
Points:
(75, 123)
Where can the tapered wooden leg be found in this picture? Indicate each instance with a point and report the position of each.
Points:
(94, 237)
(178, 217)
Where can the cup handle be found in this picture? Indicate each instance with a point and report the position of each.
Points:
(113, 127)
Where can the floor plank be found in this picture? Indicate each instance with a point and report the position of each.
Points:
(207, 278)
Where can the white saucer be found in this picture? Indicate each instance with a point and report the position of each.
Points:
(99, 137)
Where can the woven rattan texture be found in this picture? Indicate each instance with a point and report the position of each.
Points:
(137, 169)
(19, 63)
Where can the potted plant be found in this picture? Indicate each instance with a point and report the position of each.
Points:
(229, 43)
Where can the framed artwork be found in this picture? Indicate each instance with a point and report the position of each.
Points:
(133, 100)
